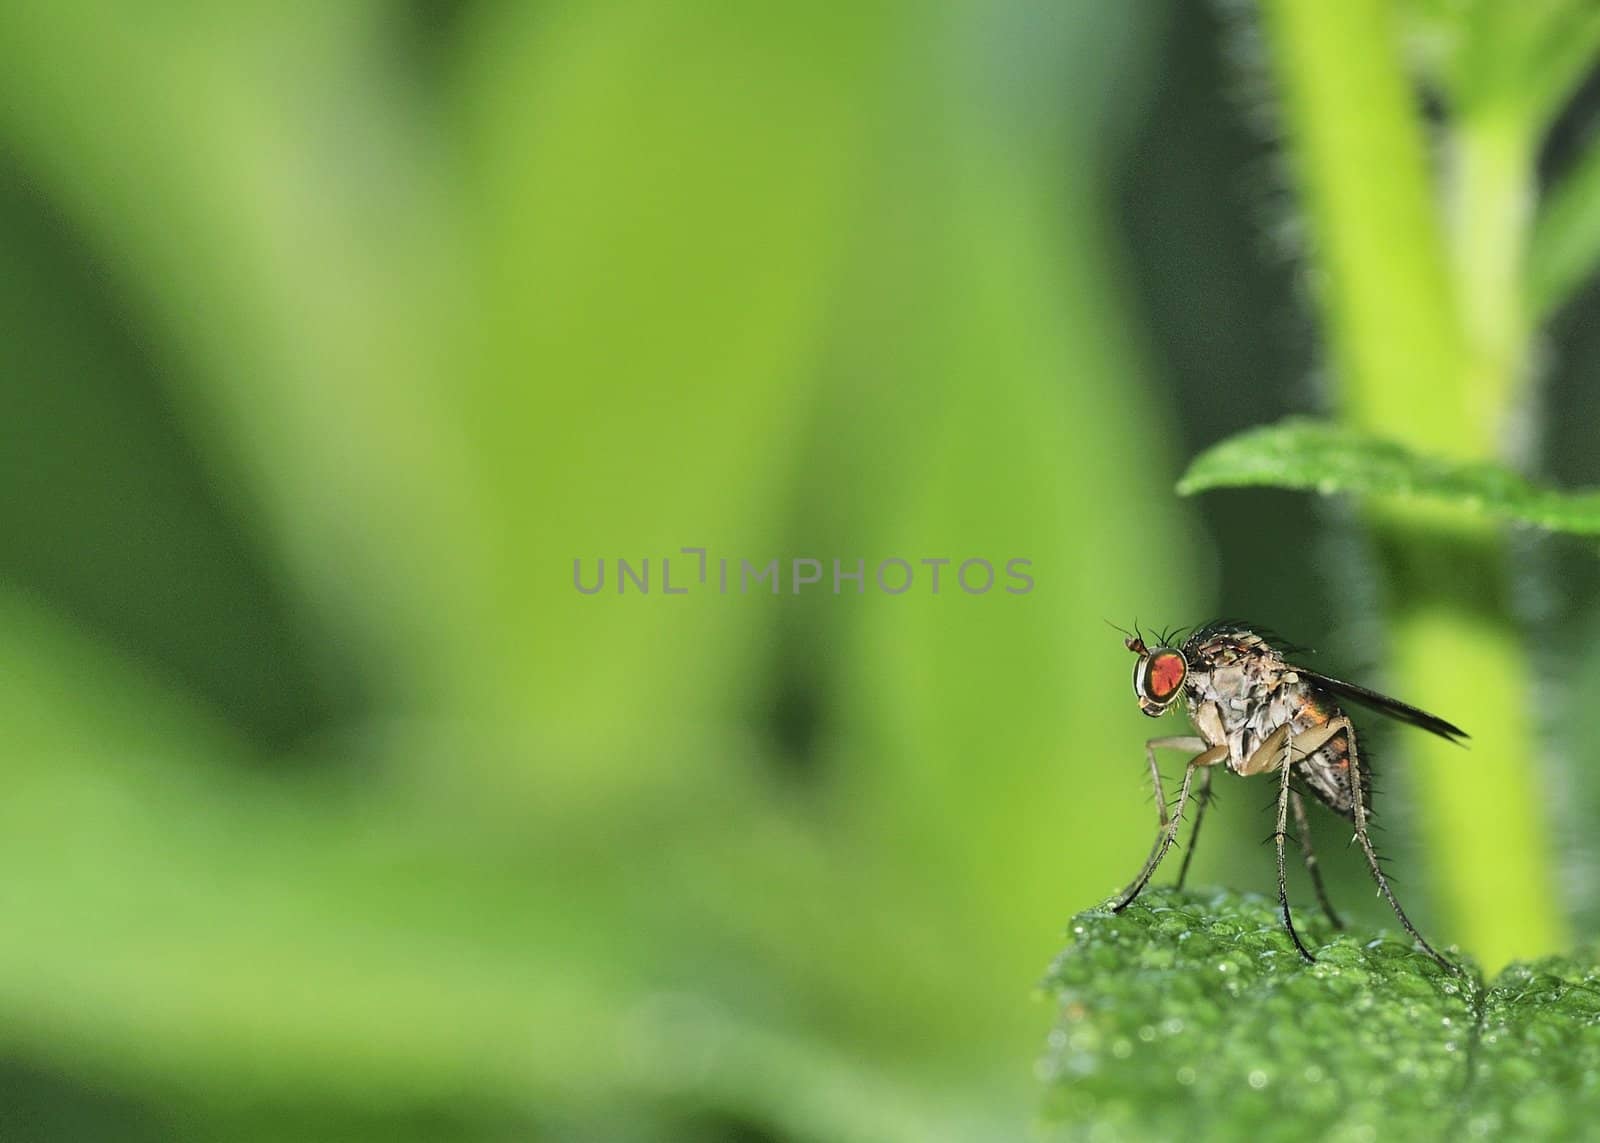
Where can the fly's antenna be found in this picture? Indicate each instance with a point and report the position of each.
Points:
(1134, 640)
(1114, 627)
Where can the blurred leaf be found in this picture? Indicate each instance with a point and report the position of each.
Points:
(960, 764)
(367, 940)
(1191, 1016)
(1306, 454)
(264, 201)
(111, 516)
(660, 198)
(1523, 58)
(1565, 245)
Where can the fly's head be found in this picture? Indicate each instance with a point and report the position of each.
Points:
(1157, 676)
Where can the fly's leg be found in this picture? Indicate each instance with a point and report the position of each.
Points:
(1186, 742)
(1202, 799)
(1169, 822)
(1164, 840)
(1283, 880)
(1277, 752)
(1302, 826)
(1304, 745)
(1269, 755)
(1360, 816)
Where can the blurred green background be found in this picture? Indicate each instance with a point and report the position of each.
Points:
(332, 334)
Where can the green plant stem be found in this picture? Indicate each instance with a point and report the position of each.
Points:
(1479, 810)
(1491, 187)
(1429, 340)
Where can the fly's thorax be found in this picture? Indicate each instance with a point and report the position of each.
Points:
(1293, 703)
(1244, 692)
(1233, 664)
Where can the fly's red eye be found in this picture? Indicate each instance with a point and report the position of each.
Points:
(1167, 669)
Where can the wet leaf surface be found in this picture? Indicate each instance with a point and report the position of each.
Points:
(1190, 1016)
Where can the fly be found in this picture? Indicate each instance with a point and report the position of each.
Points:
(1260, 714)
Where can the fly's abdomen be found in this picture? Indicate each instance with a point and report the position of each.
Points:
(1326, 770)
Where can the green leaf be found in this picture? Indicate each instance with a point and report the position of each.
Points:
(1191, 1015)
(1300, 453)
(1565, 245)
(1515, 66)
(1524, 58)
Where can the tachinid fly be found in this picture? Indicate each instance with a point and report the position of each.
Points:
(1260, 714)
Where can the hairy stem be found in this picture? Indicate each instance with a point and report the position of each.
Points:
(1426, 329)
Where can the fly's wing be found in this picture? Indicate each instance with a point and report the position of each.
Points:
(1383, 704)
